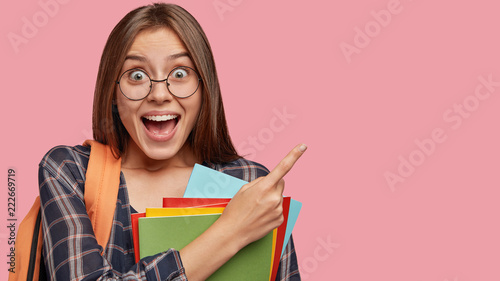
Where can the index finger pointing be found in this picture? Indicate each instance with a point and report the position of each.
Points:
(286, 164)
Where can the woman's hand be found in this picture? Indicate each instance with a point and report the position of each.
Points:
(252, 213)
(257, 207)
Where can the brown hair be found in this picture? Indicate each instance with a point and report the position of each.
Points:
(209, 138)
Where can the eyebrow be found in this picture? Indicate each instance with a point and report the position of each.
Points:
(171, 57)
(138, 58)
(178, 55)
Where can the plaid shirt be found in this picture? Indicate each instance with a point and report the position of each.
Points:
(70, 250)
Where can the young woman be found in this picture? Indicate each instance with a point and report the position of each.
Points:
(157, 103)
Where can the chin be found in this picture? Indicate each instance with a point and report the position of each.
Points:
(161, 153)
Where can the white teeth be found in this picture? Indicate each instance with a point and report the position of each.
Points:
(161, 117)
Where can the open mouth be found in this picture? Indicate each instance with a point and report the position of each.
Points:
(160, 124)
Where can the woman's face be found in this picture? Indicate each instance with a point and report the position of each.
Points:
(160, 123)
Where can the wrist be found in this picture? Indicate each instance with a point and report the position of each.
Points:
(229, 236)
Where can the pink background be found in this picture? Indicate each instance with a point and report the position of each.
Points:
(363, 114)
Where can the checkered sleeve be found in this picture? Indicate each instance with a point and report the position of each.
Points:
(70, 249)
(288, 269)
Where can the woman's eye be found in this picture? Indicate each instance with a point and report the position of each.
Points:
(137, 75)
(179, 73)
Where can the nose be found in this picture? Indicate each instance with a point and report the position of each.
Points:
(159, 92)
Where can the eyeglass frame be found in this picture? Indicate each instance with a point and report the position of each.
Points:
(158, 81)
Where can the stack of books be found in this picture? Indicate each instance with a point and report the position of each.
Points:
(181, 220)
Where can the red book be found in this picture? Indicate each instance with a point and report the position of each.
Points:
(280, 238)
(135, 233)
(173, 202)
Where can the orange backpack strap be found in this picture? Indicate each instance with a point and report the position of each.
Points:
(101, 189)
(101, 192)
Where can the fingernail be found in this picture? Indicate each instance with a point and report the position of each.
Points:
(302, 148)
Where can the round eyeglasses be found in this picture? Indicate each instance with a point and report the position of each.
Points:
(182, 82)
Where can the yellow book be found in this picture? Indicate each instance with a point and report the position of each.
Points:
(172, 212)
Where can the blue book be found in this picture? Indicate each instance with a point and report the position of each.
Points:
(209, 183)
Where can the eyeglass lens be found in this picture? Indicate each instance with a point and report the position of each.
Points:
(136, 84)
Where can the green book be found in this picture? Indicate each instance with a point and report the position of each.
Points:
(158, 234)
